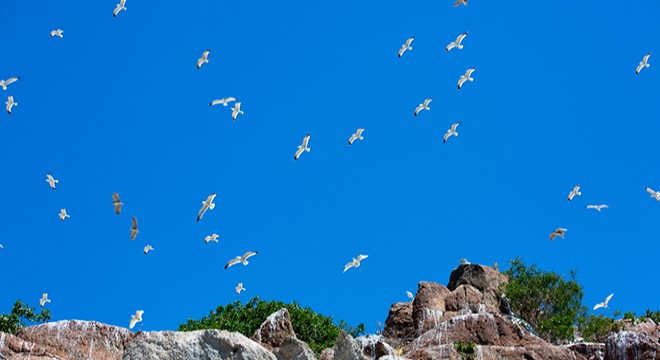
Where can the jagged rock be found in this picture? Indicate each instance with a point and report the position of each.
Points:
(639, 342)
(12, 347)
(327, 354)
(274, 329)
(346, 348)
(373, 346)
(590, 351)
(399, 322)
(201, 344)
(464, 297)
(428, 306)
(479, 276)
(293, 349)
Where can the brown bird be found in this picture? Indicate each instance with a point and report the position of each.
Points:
(558, 232)
(134, 228)
(117, 203)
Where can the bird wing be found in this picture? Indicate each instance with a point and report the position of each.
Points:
(205, 54)
(202, 210)
(233, 261)
(402, 50)
(306, 141)
(461, 81)
(122, 3)
(447, 135)
(553, 235)
(200, 61)
(598, 306)
(650, 191)
(135, 224)
(470, 71)
(359, 131)
(248, 255)
(115, 197)
(210, 198)
(461, 37)
(118, 208)
(362, 257)
(409, 41)
(352, 138)
(450, 46)
(607, 299)
(427, 102)
(134, 321)
(418, 109)
(592, 207)
(454, 126)
(639, 67)
(603, 206)
(646, 58)
(117, 10)
(217, 101)
(349, 265)
(11, 80)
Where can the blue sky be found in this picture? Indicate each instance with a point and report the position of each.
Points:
(118, 105)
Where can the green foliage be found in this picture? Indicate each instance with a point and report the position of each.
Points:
(21, 315)
(546, 300)
(318, 331)
(596, 328)
(653, 315)
(467, 351)
(630, 316)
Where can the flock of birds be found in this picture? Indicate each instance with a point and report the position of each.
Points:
(208, 204)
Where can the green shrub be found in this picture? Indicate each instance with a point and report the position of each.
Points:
(466, 351)
(318, 331)
(21, 315)
(653, 315)
(596, 328)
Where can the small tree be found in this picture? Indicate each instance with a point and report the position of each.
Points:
(21, 315)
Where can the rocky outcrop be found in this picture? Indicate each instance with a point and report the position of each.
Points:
(399, 322)
(347, 348)
(274, 329)
(590, 351)
(640, 341)
(464, 297)
(374, 346)
(483, 278)
(428, 306)
(293, 349)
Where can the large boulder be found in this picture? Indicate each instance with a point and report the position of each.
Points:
(346, 348)
(590, 351)
(464, 297)
(327, 354)
(428, 306)
(274, 329)
(480, 277)
(293, 349)
(374, 347)
(399, 322)
(12, 347)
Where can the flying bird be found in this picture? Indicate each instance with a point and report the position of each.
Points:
(643, 64)
(44, 299)
(58, 32)
(465, 77)
(406, 46)
(223, 101)
(206, 205)
(236, 110)
(239, 288)
(456, 43)
(4, 83)
(1, 247)
(121, 6)
(10, 103)
(63, 215)
(654, 194)
(464, 262)
(241, 259)
(51, 181)
(117, 203)
(575, 191)
(355, 262)
(134, 228)
(597, 207)
(213, 237)
(136, 318)
(302, 147)
(203, 59)
(356, 136)
(451, 132)
(147, 249)
(604, 303)
(558, 232)
(458, 2)
(410, 295)
(423, 106)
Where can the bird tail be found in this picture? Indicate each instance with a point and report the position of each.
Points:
(459, 47)
(410, 47)
(471, 79)
(579, 193)
(241, 112)
(361, 137)
(4, 87)
(308, 149)
(211, 206)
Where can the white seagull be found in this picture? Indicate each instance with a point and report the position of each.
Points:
(423, 106)
(213, 237)
(10, 103)
(236, 110)
(44, 299)
(464, 262)
(117, 203)
(4, 83)
(147, 249)
(223, 101)
(134, 228)
(597, 207)
(241, 259)
(410, 295)
(206, 205)
(458, 2)
(203, 59)
(451, 132)
(406, 46)
(63, 215)
(654, 194)
(604, 303)
(355, 262)
(644, 63)
(58, 32)
(456, 43)
(575, 191)
(1, 247)
(51, 181)
(121, 6)
(356, 136)
(303, 147)
(466, 77)
(136, 318)
(558, 232)
(239, 288)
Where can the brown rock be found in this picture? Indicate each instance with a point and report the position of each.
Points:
(274, 329)
(327, 354)
(374, 347)
(464, 297)
(480, 277)
(590, 351)
(346, 348)
(399, 322)
(641, 342)
(428, 306)
(12, 347)
(294, 349)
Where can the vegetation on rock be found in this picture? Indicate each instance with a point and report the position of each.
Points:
(467, 351)
(22, 315)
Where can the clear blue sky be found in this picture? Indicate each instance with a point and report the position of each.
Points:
(118, 105)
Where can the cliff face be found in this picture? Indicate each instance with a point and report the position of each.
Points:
(467, 310)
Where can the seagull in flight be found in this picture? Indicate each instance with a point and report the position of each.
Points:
(4, 83)
(654, 194)
(356, 136)
(456, 43)
(203, 59)
(206, 205)
(223, 101)
(58, 32)
(423, 106)
(136, 318)
(451, 132)
(117, 203)
(121, 6)
(458, 2)
(44, 299)
(236, 110)
(643, 64)
(303, 147)
(356, 262)
(406, 46)
(10, 103)
(51, 181)
(558, 232)
(604, 303)
(213, 237)
(241, 259)
(410, 295)
(147, 249)
(239, 288)
(134, 228)
(597, 207)
(575, 191)
(465, 77)
(63, 215)
(1, 247)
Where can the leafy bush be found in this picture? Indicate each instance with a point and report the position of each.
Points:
(21, 315)
(596, 328)
(467, 351)
(653, 315)
(318, 331)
